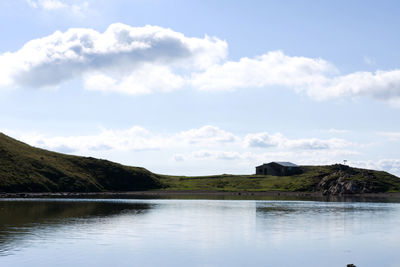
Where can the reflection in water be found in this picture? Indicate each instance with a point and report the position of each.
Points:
(198, 233)
(324, 218)
(258, 196)
(285, 208)
(22, 220)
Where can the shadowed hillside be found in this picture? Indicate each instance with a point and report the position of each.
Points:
(28, 169)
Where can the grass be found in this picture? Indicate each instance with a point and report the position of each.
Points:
(306, 182)
(234, 183)
(24, 168)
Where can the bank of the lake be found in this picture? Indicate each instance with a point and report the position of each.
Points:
(211, 195)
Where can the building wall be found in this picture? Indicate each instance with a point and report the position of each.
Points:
(277, 170)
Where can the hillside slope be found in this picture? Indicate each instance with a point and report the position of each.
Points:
(330, 180)
(24, 168)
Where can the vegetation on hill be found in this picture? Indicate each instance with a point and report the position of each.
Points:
(24, 168)
(334, 179)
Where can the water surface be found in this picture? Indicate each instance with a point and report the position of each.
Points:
(198, 233)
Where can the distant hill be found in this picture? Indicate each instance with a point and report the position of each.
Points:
(329, 180)
(24, 168)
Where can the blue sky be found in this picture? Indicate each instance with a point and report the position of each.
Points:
(204, 87)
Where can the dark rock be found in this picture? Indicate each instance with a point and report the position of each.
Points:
(346, 180)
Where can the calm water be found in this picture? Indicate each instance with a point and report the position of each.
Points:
(198, 233)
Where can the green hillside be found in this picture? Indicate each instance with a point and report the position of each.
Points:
(28, 169)
(334, 179)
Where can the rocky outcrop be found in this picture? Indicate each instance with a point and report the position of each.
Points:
(347, 180)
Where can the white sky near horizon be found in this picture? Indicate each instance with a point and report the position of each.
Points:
(204, 87)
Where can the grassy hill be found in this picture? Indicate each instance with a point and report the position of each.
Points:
(333, 179)
(24, 168)
(28, 169)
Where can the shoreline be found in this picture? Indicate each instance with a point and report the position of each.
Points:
(201, 194)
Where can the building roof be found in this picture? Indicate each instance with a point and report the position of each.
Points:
(286, 164)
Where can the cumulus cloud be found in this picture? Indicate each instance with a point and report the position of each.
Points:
(209, 154)
(315, 77)
(147, 79)
(273, 68)
(207, 133)
(133, 139)
(278, 140)
(212, 154)
(383, 85)
(205, 138)
(142, 60)
(389, 165)
(127, 59)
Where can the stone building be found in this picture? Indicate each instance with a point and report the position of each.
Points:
(278, 169)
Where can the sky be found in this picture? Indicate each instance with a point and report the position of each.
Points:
(204, 87)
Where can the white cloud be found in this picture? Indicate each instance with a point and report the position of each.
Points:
(316, 77)
(140, 60)
(206, 138)
(278, 140)
(147, 79)
(76, 7)
(392, 136)
(389, 165)
(209, 134)
(263, 140)
(383, 85)
(213, 154)
(337, 131)
(133, 139)
(128, 59)
(274, 68)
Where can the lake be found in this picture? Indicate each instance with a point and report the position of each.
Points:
(168, 232)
